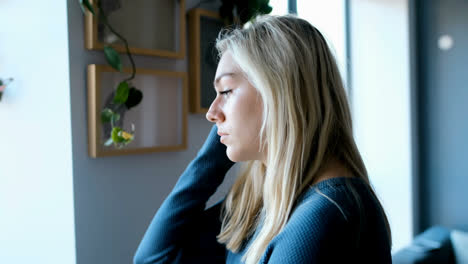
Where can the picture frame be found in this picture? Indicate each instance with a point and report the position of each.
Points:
(154, 28)
(160, 120)
(204, 27)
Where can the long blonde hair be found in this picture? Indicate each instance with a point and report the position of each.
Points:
(306, 123)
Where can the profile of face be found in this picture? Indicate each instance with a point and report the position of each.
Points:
(237, 111)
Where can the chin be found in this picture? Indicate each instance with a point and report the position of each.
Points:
(237, 156)
(232, 155)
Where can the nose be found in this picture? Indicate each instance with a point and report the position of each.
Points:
(214, 113)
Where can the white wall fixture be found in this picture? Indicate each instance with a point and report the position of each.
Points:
(445, 42)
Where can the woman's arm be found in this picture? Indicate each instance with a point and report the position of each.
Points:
(181, 226)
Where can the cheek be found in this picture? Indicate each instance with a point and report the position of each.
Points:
(254, 113)
(245, 120)
(234, 110)
(250, 127)
(244, 116)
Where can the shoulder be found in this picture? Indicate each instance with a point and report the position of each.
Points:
(322, 209)
(320, 218)
(336, 215)
(333, 199)
(319, 224)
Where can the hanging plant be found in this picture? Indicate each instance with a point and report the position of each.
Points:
(126, 96)
(239, 12)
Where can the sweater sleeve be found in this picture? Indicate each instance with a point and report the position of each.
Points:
(182, 229)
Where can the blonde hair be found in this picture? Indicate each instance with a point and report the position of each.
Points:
(306, 122)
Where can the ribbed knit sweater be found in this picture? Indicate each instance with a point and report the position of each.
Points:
(324, 227)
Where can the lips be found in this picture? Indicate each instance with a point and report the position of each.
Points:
(222, 134)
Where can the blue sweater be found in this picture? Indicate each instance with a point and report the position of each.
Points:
(320, 230)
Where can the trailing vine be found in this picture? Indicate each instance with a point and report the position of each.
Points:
(126, 95)
(236, 12)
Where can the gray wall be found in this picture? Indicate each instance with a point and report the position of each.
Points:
(115, 198)
(442, 99)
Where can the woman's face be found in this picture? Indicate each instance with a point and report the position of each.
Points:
(237, 112)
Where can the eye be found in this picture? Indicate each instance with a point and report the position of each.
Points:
(227, 92)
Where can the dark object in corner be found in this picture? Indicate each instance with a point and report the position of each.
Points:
(430, 247)
(241, 11)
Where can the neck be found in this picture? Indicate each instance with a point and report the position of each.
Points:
(333, 169)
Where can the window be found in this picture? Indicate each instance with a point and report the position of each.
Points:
(329, 17)
(280, 7)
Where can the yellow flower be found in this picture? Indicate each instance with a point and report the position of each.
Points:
(126, 135)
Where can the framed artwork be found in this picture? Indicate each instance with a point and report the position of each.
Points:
(151, 27)
(204, 27)
(160, 120)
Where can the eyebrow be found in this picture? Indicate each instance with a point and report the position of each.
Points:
(215, 83)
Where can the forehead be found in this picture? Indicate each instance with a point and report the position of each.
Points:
(227, 64)
(227, 67)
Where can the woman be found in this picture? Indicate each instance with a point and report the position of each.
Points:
(304, 195)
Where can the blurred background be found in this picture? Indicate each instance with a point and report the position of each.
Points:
(405, 65)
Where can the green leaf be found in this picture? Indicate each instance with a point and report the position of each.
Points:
(115, 135)
(85, 4)
(106, 115)
(115, 117)
(134, 98)
(113, 58)
(121, 95)
(266, 9)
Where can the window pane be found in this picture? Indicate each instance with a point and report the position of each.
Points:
(280, 7)
(329, 18)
